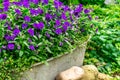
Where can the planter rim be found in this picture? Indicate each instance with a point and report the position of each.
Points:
(50, 59)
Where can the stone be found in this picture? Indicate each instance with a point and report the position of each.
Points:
(74, 73)
(91, 72)
(102, 76)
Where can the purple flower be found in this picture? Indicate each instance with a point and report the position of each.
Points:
(78, 10)
(5, 9)
(24, 26)
(63, 16)
(1, 10)
(33, 12)
(47, 35)
(5, 0)
(17, 3)
(65, 28)
(10, 46)
(31, 47)
(16, 31)
(54, 16)
(7, 37)
(27, 19)
(35, 25)
(66, 23)
(45, 1)
(13, 37)
(86, 11)
(35, 1)
(66, 8)
(89, 17)
(60, 44)
(29, 40)
(48, 17)
(9, 27)
(3, 16)
(58, 31)
(26, 4)
(57, 4)
(71, 18)
(18, 11)
(39, 25)
(31, 32)
(3, 47)
(57, 22)
(80, 5)
(6, 4)
(40, 11)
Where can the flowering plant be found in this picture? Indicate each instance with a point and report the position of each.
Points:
(41, 28)
(36, 30)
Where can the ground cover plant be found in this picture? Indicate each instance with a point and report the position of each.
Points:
(103, 49)
(33, 31)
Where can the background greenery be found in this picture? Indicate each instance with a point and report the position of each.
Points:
(100, 2)
(104, 47)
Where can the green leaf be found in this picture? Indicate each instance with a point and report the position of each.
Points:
(35, 37)
(68, 43)
(118, 61)
(20, 53)
(1, 60)
(39, 44)
(48, 49)
(34, 58)
(26, 43)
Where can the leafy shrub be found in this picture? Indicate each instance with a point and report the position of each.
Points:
(68, 2)
(38, 30)
(117, 1)
(100, 2)
(103, 49)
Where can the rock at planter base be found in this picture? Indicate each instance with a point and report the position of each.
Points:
(102, 76)
(74, 73)
(91, 72)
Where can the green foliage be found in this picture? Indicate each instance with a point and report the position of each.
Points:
(12, 69)
(69, 2)
(117, 1)
(103, 52)
(104, 47)
(100, 2)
